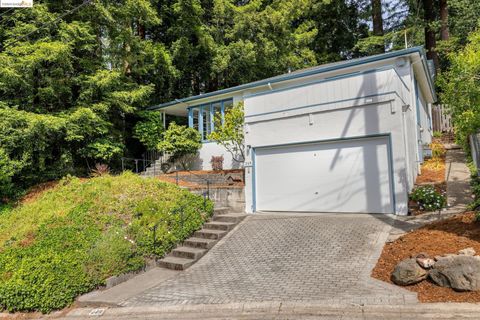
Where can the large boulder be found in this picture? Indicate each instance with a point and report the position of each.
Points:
(461, 273)
(408, 272)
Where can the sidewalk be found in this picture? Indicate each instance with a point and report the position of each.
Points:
(459, 195)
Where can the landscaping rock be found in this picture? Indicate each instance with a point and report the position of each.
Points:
(448, 255)
(408, 272)
(461, 273)
(426, 263)
(467, 252)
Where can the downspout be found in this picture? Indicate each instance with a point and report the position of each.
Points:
(413, 103)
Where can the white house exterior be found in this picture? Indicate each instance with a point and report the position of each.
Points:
(341, 137)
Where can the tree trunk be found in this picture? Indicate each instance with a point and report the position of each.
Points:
(444, 32)
(430, 40)
(377, 21)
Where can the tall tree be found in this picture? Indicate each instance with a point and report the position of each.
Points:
(377, 21)
(430, 35)
(444, 30)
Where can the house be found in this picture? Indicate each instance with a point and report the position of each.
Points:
(340, 137)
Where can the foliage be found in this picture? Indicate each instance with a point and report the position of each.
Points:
(76, 235)
(428, 198)
(438, 150)
(182, 143)
(461, 89)
(8, 168)
(229, 134)
(150, 130)
(217, 162)
(475, 184)
(437, 134)
(100, 170)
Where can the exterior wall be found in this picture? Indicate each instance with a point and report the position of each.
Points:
(360, 105)
(210, 149)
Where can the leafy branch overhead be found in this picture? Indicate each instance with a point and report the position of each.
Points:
(229, 132)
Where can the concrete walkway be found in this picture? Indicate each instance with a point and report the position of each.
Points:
(459, 193)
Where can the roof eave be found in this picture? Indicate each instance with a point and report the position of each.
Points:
(287, 77)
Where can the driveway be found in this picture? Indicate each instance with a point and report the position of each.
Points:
(322, 258)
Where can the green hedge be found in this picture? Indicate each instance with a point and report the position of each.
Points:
(75, 236)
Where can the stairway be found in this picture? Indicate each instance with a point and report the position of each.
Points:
(202, 240)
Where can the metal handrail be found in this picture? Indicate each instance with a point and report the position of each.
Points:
(156, 225)
(136, 161)
(208, 182)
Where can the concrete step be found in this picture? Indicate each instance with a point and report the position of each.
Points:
(221, 210)
(210, 234)
(231, 217)
(199, 243)
(219, 225)
(175, 263)
(188, 252)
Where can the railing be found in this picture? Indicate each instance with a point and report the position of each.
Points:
(140, 166)
(135, 165)
(153, 229)
(206, 195)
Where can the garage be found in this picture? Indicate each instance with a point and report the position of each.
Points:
(347, 175)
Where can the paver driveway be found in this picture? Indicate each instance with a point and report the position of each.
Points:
(325, 258)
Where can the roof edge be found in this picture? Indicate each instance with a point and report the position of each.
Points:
(319, 70)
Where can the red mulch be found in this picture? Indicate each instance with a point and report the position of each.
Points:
(433, 171)
(448, 236)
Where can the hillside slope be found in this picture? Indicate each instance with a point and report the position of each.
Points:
(72, 237)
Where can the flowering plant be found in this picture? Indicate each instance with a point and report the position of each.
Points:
(428, 198)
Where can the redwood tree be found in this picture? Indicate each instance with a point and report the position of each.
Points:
(430, 40)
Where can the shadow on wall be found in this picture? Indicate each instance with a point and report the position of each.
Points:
(369, 160)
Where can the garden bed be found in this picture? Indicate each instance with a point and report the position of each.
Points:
(444, 237)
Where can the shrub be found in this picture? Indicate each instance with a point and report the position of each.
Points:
(74, 236)
(182, 142)
(428, 198)
(438, 150)
(437, 134)
(100, 170)
(217, 163)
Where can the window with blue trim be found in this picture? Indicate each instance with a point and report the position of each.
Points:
(202, 118)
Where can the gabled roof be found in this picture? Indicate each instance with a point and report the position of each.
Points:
(312, 71)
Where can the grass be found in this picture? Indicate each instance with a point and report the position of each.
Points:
(69, 239)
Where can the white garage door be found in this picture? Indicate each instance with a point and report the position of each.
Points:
(340, 176)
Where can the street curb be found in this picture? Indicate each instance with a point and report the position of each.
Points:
(414, 311)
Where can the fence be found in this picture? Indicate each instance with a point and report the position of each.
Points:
(441, 120)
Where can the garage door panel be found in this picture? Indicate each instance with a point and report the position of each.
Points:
(342, 176)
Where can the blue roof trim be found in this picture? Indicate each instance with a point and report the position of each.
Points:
(309, 72)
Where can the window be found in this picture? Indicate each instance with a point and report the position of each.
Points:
(202, 118)
(206, 122)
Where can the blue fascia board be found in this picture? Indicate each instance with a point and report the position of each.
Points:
(306, 73)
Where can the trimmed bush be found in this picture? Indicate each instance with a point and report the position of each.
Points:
(75, 236)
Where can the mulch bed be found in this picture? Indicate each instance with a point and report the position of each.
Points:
(447, 236)
(433, 172)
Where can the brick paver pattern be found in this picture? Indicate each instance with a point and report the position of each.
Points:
(286, 258)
